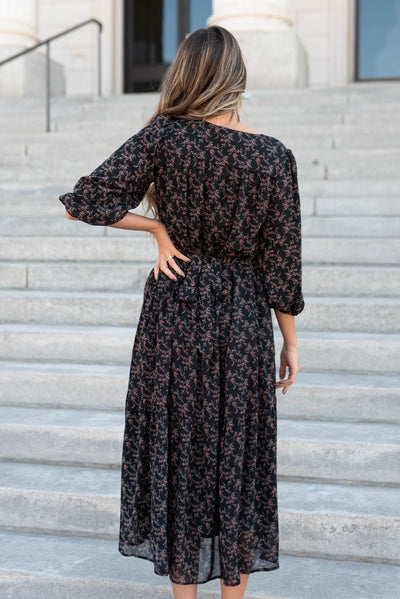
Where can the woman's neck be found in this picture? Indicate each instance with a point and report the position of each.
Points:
(225, 120)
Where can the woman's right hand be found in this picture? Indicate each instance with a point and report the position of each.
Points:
(166, 248)
(289, 359)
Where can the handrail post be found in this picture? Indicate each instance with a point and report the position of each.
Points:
(99, 59)
(48, 86)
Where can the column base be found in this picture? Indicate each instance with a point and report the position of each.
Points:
(26, 76)
(273, 58)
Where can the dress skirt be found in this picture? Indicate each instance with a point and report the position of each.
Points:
(198, 488)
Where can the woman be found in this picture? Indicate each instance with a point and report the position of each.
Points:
(198, 475)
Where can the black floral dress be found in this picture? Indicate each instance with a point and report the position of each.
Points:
(198, 475)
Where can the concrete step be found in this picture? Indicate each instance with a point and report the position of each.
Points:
(356, 207)
(119, 309)
(323, 142)
(64, 385)
(36, 143)
(354, 92)
(18, 203)
(331, 396)
(337, 107)
(341, 396)
(86, 154)
(349, 281)
(281, 128)
(109, 115)
(367, 353)
(52, 343)
(312, 226)
(325, 250)
(313, 116)
(350, 226)
(316, 519)
(316, 164)
(345, 137)
(328, 280)
(339, 452)
(351, 187)
(41, 171)
(38, 226)
(311, 450)
(346, 196)
(42, 204)
(90, 276)
(346, 140)
(80, 567)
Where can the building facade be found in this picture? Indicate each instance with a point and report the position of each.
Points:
(286, 43)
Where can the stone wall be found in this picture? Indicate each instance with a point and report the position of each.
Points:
(323, 28)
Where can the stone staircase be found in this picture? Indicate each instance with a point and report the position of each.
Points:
(69, 301)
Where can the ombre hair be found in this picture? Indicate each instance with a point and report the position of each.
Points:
(206, 78)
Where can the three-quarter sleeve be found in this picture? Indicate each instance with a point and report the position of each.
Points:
(118, 184)
(280, 247)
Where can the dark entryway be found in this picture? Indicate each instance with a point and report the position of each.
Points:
(153, 30)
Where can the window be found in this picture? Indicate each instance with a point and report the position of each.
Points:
(378, 39)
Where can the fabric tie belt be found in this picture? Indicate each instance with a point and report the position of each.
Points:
(203, 286)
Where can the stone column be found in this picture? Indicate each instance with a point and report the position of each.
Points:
(18, 30)
(18, 23)
(272, 50)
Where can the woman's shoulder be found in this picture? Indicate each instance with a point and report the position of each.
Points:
(158, 122)
(166, 121)
(277, 143)
(281, 152)
(153, 131)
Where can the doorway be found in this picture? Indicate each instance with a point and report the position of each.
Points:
(153, 29)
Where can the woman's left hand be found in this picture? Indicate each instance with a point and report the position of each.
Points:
(166, 248)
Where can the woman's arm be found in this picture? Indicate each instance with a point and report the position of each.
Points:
(132, 222)
(119, 184)
(137, 222)
(288, 329)
(288, 358)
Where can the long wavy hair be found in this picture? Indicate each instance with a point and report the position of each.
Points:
(206, 78)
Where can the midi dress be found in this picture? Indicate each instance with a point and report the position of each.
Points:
(199, 468)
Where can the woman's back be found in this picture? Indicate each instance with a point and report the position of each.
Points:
(220, 192)
(212, 185)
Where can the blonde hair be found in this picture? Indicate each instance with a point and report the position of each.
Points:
(205, 79)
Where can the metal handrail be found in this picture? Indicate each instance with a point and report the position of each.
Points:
(47, 43)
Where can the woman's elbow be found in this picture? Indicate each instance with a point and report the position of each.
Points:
(68, 215)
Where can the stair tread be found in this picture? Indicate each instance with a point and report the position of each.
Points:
(304, 378)
(358, 500)
(68, 560)
(103, 420)
(137, 295)
(108, 329)
(66, 368)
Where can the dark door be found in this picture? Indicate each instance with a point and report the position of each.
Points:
(153, 30)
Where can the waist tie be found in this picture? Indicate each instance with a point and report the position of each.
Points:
(203, 286)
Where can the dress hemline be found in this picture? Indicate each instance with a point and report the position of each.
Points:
(263, 569)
